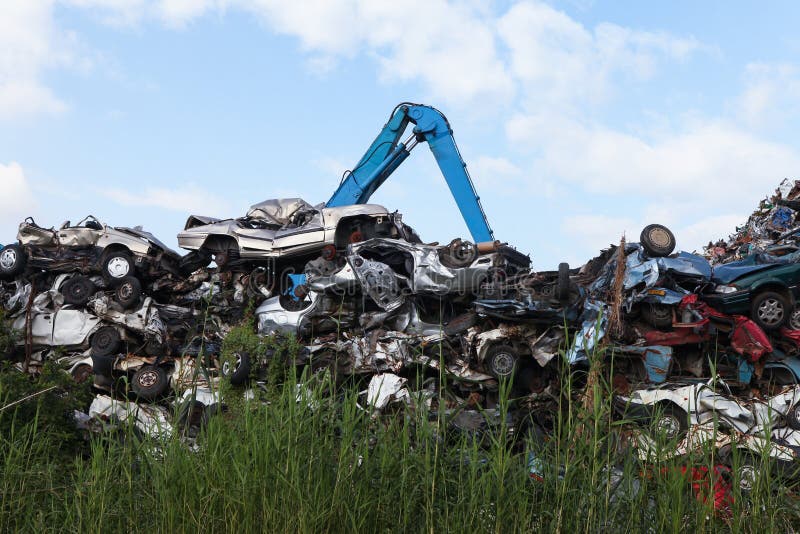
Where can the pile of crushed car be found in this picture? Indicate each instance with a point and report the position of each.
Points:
(701, 348)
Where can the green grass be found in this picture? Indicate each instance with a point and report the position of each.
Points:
(284, 466)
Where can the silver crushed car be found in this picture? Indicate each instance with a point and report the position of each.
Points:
(93, 247)
(101, 326)
(287, 229)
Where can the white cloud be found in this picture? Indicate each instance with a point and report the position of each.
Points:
(189, 199)
(701, 180)
(17, 199)
(331, 166)
(697, 234)
(462, 53)
(27, 37)
(452, 48)
(558, 60)
(771, 95)
(703, 159)
(532, 58)
(595, 232)
(115, 12)
(27, 97)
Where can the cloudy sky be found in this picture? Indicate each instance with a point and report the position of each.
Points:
(579, 119)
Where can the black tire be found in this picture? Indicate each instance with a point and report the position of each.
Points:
(224, 258)
(460, 324)
(128, 291)
(13, 260)
(750, 465)
(669, 421)
(117, 265)
(105, 341)
(502, 361)
(794, 319)
(103, 369)
(149, 382)
(770, 310)
(458, 254)
(81, 373)
(793, 417)
(657, 240)
(237, 371)
(777, 377)
(563, 284)
(194, 260)
(78, 290)
(658, 315)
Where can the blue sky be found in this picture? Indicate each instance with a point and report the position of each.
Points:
(579, 120)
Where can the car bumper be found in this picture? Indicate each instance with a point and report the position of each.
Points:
(729, 303)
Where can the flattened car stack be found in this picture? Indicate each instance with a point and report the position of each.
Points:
(700, 345)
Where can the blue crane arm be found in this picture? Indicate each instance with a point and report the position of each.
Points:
(387, 152)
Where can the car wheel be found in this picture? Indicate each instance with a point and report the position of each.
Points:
(105, 341)
(458, 254)
(78, 290)
(563, 285)
(778, 377)
(657, 240)
(238, 370)
(13, 259)
(224, 258)
(658, 315)
(501, 361)
(116, 266)
(81, 373)
(149, 382)
(128, 291)
(794, 319)
(670, 422)
(770, 310)
(749, 468)
(793, 417)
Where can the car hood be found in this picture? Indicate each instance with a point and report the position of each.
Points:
(728, 272)
(686, 264)
(233, 228)
(153, 240)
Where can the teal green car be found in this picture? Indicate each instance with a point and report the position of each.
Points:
(763, 286)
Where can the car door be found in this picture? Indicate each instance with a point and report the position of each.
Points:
(311, 233)
(78, 236)
(41, 328)
(72, 326)
(255, 239)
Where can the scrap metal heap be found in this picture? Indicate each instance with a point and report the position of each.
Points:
(703, 349)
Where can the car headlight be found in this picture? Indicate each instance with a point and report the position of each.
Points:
(725, 289)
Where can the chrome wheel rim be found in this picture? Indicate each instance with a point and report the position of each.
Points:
(118, 267)
(770, 311)
(8, 258)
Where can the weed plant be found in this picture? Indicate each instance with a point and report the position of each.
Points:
(326, 463)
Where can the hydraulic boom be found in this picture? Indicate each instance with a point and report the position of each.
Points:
(387, 152)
